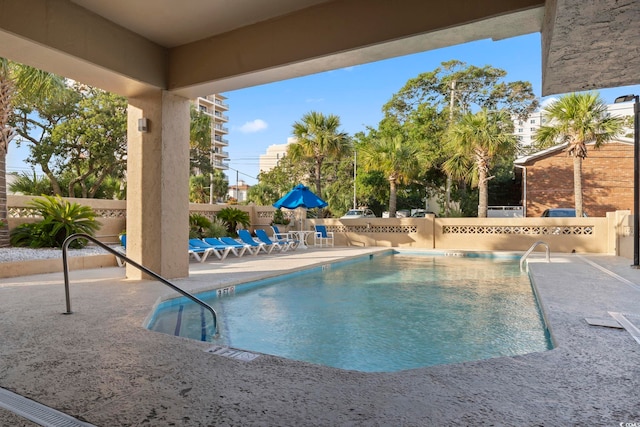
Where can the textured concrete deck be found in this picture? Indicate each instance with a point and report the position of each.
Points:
(101, 366)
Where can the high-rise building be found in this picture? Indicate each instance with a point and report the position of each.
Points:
(274, 153)
(526, 129)
(215, 107)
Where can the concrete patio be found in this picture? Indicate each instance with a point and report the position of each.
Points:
(100, 366)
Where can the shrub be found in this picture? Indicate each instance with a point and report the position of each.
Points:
(198, 224)
(218, 228)
(60, 220)
(232, 218)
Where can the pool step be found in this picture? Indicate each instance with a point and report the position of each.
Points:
(37, 412)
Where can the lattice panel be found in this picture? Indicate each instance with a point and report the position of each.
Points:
(111, 213)
(528, 230)
(22, 213)
(265, 214)
(373, 229)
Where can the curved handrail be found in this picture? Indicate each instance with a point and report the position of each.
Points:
(65, 246)
(526, 254)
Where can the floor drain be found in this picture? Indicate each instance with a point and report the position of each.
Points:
(232, 353)
(37, 412)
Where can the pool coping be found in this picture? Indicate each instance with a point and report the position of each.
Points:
(101, 366)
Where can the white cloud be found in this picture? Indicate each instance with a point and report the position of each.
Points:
(548, 102)
(254, 126)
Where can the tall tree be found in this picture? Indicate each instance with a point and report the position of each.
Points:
(16, 81)
(200, 142)
(91, 145)
(427, 105)
(318, 138)
(475, 142)
(577, 119)
(399, 160)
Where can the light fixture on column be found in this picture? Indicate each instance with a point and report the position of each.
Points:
(143, 125)
(636, 175)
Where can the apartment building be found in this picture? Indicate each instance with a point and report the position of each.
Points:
(274, 153)
(216, 107)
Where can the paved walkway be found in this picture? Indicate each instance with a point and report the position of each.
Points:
(101, 366)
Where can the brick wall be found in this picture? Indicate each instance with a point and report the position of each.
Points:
(607, 183)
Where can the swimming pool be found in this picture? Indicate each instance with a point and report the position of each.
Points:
(380, 313)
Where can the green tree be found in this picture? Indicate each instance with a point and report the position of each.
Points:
(31, 185)
(318, 138)
(427, 105)
(399, 160)
(200, 142)
(92, 144)
(34, 123)
(232, 218)
(475, 142)
(577, 119)
(17, 82)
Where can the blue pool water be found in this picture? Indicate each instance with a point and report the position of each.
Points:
(385, 313)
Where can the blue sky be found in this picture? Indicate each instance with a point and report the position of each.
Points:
(264, 115)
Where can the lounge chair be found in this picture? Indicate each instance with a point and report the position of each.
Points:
(264, 238)
(201, 250)
(245, 236)
(284, 237)
(253, 250)
(238, 249)
(322, 236)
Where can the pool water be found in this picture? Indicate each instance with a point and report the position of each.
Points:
(385, 313)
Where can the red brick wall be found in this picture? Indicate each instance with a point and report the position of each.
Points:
(607, 183)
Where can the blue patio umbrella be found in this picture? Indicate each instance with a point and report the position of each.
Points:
(300, 197)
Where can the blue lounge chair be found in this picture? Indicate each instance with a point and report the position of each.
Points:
(245, 236)
(253, 250)
(238, 249)
(264, 238)
(284, 237)
(201, 250)
(322, 236)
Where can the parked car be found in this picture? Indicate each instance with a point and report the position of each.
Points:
(560, 213)
(358, 213)
(402, 213)
(421, 213)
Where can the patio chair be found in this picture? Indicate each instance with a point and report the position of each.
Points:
(285, 237)
(253, 250)
(322, 236)
(238, 249)
(264, 238)
(245, 236)
(201, 250)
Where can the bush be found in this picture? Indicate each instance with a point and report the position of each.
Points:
(218, 228)
(198, 224)
(233, 217)
(60, 220)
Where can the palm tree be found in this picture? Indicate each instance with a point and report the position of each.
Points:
(17, 81)
(475, 141)
(399, 160)
(577, 119)
(318, 138)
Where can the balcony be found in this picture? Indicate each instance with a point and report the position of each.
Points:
(220, 165)
(221, 153)
(220, 128)
(221, 104)
(219, 116)
(218, 140)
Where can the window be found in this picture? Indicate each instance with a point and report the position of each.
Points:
(533, 129)
(533, 121)
(520, 130)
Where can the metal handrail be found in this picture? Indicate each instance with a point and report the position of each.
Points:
(65, 262)
(526, 254)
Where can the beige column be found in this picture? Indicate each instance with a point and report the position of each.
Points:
(158, 184)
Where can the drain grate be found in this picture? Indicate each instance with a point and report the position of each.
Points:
(37, 412)
(232, 353)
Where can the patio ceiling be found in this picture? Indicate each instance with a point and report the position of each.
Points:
(211, 46)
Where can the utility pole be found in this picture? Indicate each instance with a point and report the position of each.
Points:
(355, 161)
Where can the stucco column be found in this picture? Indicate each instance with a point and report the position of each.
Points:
(158, 184)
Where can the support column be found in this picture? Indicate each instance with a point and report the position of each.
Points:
(158, 184)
